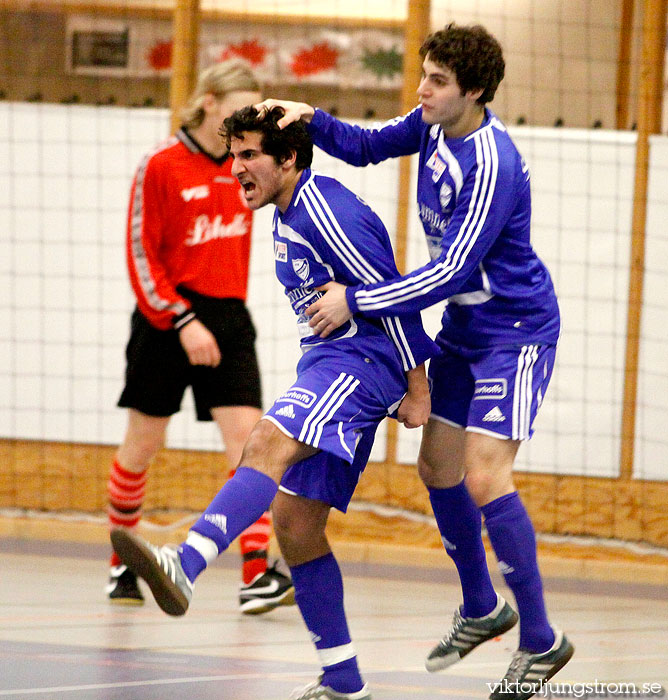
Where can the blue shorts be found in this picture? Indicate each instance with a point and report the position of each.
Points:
(335, 406)
(326, 477)
(495, 391)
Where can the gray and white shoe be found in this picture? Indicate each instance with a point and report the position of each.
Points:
(317, 691)
(160, 567)
(529, 671)
(467, 633)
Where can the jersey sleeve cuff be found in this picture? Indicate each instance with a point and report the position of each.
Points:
(425, 350)
(350, 298)
(317, 120)
(183, 319)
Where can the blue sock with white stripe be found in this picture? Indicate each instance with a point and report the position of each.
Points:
(241, 501)
(514, 540)
(459, 522)
(319, 595)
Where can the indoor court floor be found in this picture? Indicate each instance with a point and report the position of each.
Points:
(59, 637)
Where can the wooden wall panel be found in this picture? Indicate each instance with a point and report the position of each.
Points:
(71, 477)
(628, 511)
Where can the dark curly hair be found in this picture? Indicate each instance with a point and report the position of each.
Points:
(472, 54)
(276, 142)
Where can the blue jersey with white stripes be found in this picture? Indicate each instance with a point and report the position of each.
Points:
(474, 202)
(328, 233)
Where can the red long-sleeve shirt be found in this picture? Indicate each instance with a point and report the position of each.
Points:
(187, 225)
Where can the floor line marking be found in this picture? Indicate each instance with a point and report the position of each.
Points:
(156, 681)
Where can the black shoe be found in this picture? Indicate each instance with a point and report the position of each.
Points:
(266, 592)
(528, 672)
(122, 588)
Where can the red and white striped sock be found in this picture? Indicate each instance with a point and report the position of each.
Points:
(254, 542)
(126, 496)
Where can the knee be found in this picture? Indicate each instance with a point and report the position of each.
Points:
(290, 529)
(136, 453)
(438, 475)
(258, 446)
(270, 451)
(485, 486)
(489, 467)
(426, 471)
(480, 485)
(299, 535)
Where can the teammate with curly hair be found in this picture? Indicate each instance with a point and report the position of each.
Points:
(498, 338)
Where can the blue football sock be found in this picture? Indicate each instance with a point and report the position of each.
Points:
(514, 541)
(241, 501)
(459, 523)
(319, 595)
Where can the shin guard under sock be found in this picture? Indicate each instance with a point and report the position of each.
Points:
(240, 502)
(319, 594)
(459, 523)
(514, 541)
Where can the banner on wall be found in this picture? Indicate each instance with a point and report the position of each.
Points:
(357, 58)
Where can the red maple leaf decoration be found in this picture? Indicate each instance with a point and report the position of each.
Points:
(319, 58)
(160, 55)
(251, 51)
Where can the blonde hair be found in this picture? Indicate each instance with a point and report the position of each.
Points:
(218, 80)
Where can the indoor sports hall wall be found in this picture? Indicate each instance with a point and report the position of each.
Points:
(561, 55)
(65, 304)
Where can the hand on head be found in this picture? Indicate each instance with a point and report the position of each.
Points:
(293, 110)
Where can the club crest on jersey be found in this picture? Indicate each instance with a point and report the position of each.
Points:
(490, 389)
(445, 195)
(436, 165)
(301, 268)
(280, 251)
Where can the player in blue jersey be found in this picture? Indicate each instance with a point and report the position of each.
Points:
(498, 339)
(315, 440)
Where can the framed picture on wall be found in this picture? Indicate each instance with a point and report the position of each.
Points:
(98, 46)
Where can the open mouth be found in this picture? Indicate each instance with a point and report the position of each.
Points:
(248, 186)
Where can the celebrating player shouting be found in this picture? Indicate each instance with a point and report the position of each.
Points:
(316, 438)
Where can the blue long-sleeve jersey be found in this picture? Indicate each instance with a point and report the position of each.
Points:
(328, 233)
(474, 202)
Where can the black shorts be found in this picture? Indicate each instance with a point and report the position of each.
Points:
(158, 370)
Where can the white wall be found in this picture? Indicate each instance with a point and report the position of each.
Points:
(65, 301)
(651, 448)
